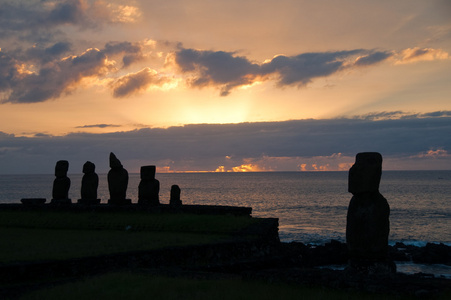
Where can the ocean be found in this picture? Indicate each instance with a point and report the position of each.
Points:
(311, 206)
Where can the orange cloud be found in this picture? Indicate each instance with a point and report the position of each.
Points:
(439, 153)
(416, 54)
(220, 169)
(248, 168)
(135, 82)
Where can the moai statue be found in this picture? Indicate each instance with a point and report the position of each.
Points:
(61, 184)
(89, 184)
(149, 187)
(175, 197)
(117, 182)
(367, 225)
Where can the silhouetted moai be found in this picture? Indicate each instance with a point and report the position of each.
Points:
(89, 184)
(149, 187)
(175, 197)
(61, 184)
(368, 225)
(117, 182)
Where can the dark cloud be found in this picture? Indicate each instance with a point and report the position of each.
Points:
(217, 68)
(44, 55)
(51, 80)
(373, 58)
(203, 146)
(99, 126)
(227, 71)
(42, 73)
(133, 51)
(387, 115)
(135, 82)
(33, 19)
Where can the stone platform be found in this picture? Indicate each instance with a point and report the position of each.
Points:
(38, 205)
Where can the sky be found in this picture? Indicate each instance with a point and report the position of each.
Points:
(224, 86)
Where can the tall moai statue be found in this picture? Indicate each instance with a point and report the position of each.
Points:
(117, 182)
(174, 200)
(61, 184)
(368, 225)
(89, 184)
(149, 187)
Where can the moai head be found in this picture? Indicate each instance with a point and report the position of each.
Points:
(365, 174)
(89, 168)
(114, 162)
(148, 172)
(61, 168)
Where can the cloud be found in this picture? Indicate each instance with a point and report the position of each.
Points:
(328, 144)
(27, 86)
(34, 19)
(437, 153)
(40, 74)
(136, 82)
(390, 115)
(416, 54)
(131, 52)
(217, 68)
(99, 126)
(227, 71)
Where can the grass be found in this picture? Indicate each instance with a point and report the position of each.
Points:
(33, 236)
(143, 286)
(25, 244)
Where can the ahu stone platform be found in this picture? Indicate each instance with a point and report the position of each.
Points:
(40, 205)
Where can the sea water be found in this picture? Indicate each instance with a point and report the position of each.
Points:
(311, 206)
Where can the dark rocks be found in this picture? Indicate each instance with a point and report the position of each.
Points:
(89, 185)
(117, 182)
(431, 254)
(367, 226)
(61, 184)
(149, 187)
(174, 200)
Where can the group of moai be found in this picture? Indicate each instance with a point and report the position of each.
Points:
(148, 189)
(367, 225)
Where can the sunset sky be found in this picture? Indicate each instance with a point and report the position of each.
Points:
(268, 85)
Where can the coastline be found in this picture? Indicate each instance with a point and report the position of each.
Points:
(253, 253)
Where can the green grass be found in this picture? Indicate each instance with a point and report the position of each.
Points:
(25, 244)
(142, 286)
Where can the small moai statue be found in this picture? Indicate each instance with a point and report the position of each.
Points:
(117, 182)
(175, 201)
(89, 185)
(149, 187)
(367, 222)
(61, 184)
